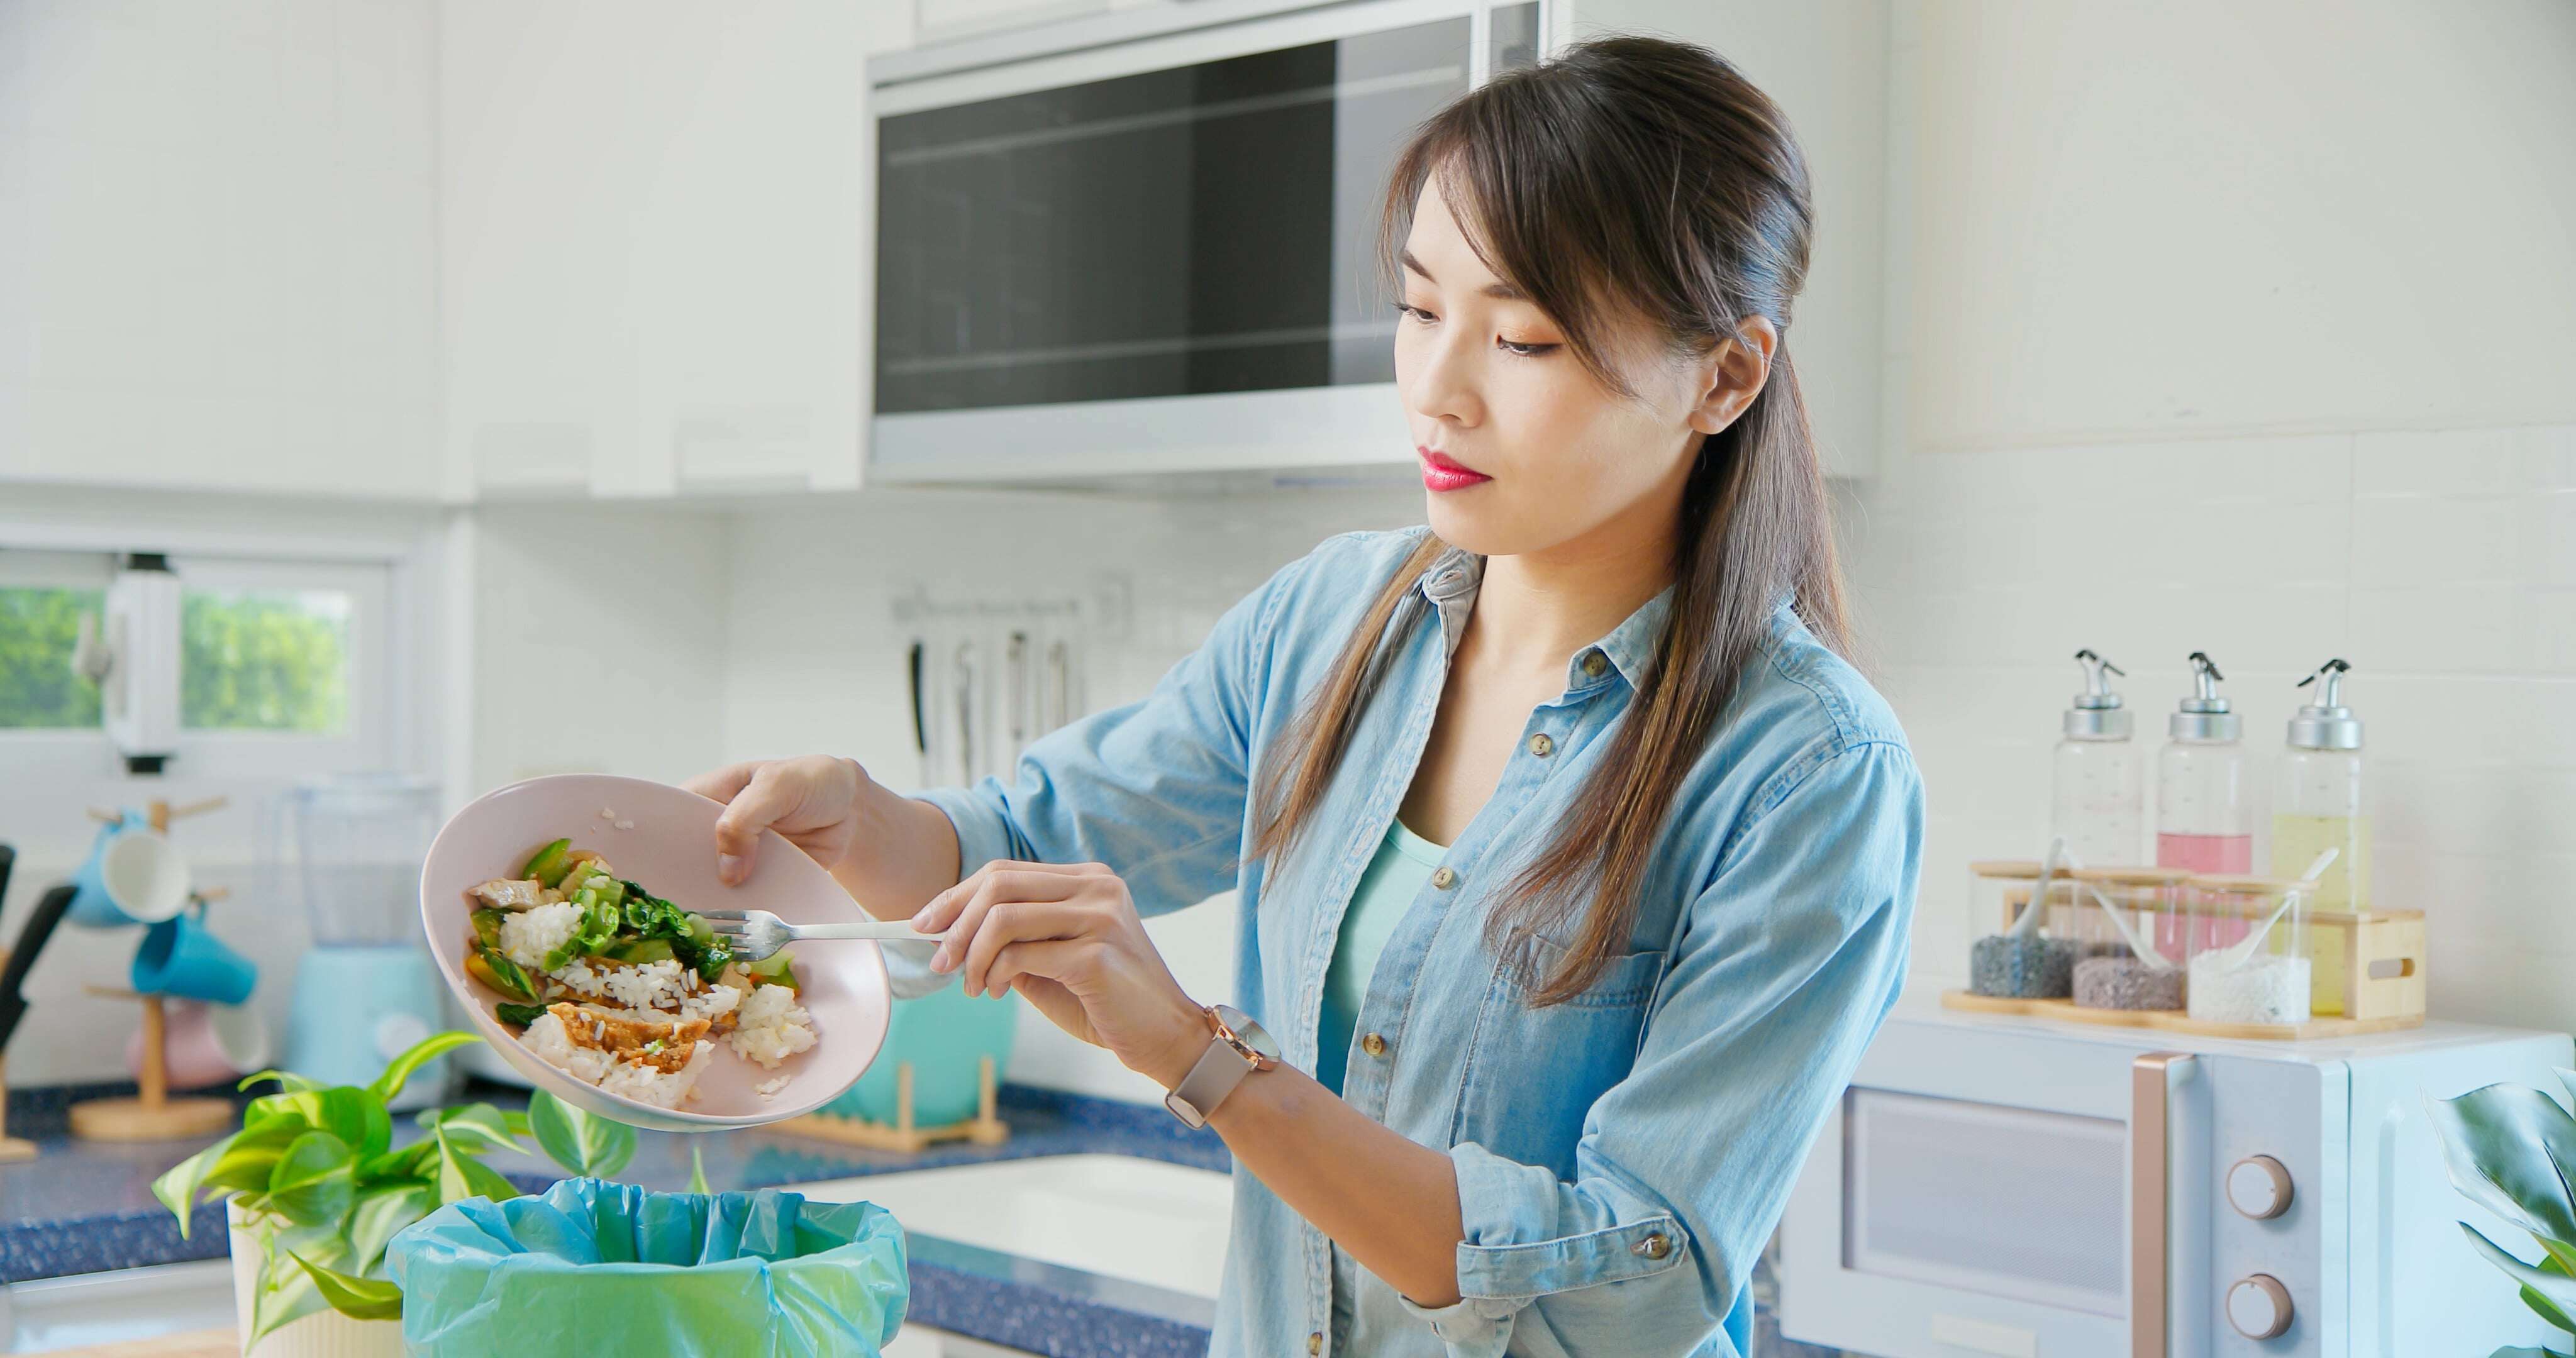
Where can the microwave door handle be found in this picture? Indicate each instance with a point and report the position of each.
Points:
(2153, 1080)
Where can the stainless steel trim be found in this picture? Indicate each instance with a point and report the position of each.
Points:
(1070, 36)
(1355, 425)
(2152, 1078)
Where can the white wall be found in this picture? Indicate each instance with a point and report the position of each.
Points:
(215, 245)
(2246, 329)
(816, 659)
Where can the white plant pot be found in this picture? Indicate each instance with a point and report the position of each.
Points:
(326, 1334)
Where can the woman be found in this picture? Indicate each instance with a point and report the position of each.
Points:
(1575, 868)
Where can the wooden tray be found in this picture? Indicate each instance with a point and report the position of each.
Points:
(2176, 1021)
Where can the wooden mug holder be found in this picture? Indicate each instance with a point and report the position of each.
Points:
(152, 1115)
(983, 1129)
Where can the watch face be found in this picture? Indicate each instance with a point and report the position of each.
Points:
(1252, 1033)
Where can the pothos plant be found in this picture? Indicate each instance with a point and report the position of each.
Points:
(322, 1187)
(2512, 1150)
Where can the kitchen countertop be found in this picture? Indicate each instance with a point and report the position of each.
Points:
(87, 1207)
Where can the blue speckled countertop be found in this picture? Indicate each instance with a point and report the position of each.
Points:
(85, 1207)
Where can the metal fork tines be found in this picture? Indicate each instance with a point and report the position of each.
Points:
(755, 934)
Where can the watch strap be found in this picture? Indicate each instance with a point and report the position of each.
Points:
(1220, 1068)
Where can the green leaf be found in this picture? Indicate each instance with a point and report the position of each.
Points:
(415, 1163)
(428, 1049)
(698, 1171)
(2554, 1287)
(581, 1142)
(284, 1293)
(357, 1298)
(177, 1187)
(382, 1212)
(516, 1120)
(2509, 1148)
(287, 1080)
(250, 1157)
(475, 1128)
(354, 1115)
(314, 1180)
(461, 1176)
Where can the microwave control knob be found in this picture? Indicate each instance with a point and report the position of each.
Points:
(2258, 1187)
(2259, 1307)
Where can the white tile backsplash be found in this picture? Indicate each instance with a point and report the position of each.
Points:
(2442, 565)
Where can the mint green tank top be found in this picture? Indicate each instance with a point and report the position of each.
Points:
(1403, 862)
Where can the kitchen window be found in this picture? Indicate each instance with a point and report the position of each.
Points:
(282, 667)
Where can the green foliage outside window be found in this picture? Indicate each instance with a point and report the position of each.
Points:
(37, 687)
(264, 661)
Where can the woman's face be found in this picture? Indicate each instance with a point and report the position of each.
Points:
(1523, 452)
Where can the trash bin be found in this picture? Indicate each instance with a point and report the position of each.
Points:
(608, 1269)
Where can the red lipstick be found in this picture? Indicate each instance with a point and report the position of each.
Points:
(1440, 472)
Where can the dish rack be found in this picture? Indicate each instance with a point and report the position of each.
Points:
(986, 1128)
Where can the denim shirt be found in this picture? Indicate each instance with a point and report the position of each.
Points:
(1622, 1158)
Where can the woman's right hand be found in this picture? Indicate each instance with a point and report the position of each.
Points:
(812, 800)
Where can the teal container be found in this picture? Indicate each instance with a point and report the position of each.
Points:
(943, 1034)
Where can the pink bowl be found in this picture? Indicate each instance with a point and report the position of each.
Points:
(671, 849)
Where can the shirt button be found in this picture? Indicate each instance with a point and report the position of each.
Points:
(1443, 878)
(1655, 1246)
(1315, 1342)
(1542, 745)
(1595, 663)
(1373, 1044)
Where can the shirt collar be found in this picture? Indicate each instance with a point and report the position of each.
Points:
(1450, 582)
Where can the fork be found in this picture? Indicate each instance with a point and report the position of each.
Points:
(755, 934)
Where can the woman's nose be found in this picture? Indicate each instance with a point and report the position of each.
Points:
(1443, 383)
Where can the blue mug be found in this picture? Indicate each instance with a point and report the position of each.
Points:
(181, 956)
(133, 876)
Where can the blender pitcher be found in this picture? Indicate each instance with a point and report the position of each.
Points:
(351, 848)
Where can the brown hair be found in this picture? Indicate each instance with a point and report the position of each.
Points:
(1628, 177)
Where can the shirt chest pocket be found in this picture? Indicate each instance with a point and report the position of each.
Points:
(1532, 1073)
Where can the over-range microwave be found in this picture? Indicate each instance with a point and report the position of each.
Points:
(1133, 252)
(2029, 1189)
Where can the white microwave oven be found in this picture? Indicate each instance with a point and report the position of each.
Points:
(1100, 253)
(2028, 1189)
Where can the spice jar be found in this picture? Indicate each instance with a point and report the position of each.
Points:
(2142, 965)
(2021, 953)
(2249, 950)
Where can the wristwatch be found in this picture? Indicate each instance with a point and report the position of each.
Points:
(1238, 1048)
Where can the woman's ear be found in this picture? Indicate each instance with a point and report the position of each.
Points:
(1733, 374)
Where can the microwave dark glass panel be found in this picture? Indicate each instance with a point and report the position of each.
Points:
(1207, 228)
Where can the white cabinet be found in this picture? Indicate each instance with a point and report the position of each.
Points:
(216, 261)
(1825, 63)
(652, 225)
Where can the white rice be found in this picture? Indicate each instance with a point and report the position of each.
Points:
(768, 1089)
(716, 1003)
(547, 1038)
(644, 1084)
(528, 935)
(771, 1027)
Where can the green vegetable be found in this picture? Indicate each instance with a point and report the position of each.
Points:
(641, 950)
(487, 928)
(773, 970)
(494, 968)
(548, 865)
(518, 1015)
(321, 1193)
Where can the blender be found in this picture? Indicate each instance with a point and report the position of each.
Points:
(352, 846)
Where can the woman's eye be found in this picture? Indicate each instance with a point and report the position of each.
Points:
(1415, 312)
(1524, 350)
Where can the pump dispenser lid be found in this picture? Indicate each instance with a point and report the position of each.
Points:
(2326, 724)
(2204, 716)
(2096, 713)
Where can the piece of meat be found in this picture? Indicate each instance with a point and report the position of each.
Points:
(504, 894)
(626, 1038)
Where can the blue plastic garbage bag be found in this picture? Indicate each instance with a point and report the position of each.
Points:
(609, 1269)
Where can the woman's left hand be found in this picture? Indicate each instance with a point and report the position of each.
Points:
(1068, 938)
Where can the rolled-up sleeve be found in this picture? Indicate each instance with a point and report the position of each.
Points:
(1155, 790)
(1784, 968)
